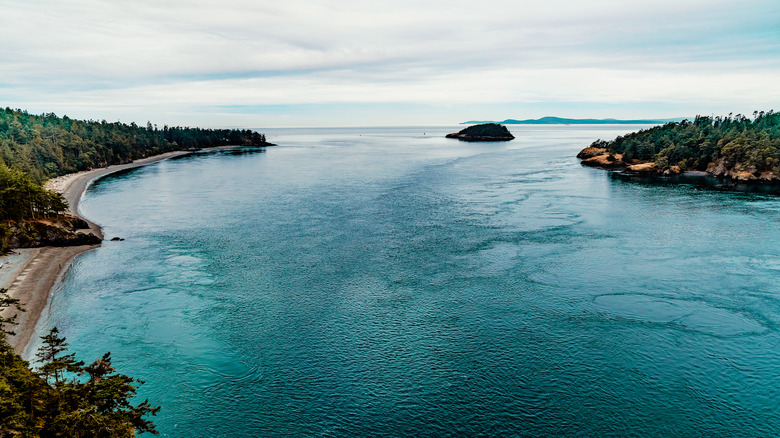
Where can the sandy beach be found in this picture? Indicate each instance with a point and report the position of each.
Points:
(31, 274)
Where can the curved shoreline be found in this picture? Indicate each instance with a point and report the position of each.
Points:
(35, 280)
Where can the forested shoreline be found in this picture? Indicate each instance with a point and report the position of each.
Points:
(736, 147)
(62, 397)
(35, 148)
(45, 146)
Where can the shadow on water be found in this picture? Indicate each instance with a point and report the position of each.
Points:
(234, 151)
(699, 180)
(118, 173)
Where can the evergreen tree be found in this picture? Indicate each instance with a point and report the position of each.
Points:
(733, 141)
(55, 364)
(98, 407)
(7, 322)
(59, 407)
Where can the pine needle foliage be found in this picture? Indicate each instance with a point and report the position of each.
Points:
(63, 397)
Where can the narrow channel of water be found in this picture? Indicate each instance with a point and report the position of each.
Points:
(390, 282)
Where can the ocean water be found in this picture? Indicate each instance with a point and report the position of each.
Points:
(390, 282)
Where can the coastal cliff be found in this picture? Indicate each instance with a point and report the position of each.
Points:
(484, 132)
(736, 150)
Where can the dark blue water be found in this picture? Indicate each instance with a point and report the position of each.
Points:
(382, 282)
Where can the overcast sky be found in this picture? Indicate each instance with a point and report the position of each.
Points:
(273, 63)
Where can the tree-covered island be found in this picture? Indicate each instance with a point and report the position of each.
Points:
(483, 132)
(738, 149)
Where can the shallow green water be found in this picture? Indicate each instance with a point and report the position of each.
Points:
(382, 282)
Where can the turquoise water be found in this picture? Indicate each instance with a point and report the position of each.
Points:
(382, 282)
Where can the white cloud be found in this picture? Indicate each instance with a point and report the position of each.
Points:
(178, 57)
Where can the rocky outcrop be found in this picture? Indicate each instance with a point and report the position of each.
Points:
(70, 223)
(605, 161)
(741, 173)
(484, 132)
(591, 152)
(41, 232)
(643, 169)
(729, 176)
(649, 168)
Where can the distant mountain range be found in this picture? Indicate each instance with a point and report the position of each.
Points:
(562, 121)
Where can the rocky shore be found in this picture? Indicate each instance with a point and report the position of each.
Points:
(60, 231)
(721, 175)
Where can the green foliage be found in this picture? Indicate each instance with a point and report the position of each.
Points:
(55, 364)
(7, 322)
(66, 398)
(22, 395)
(45, 146)
(22, 198)
(97, 407)
(34, 148)
(486, 130)
(734, 141)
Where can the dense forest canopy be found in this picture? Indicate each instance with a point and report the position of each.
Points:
(21, 198)
(732, 142)
(45, 146)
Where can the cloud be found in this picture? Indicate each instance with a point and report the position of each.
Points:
(182, 57)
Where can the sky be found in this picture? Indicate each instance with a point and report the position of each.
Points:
(250, 63)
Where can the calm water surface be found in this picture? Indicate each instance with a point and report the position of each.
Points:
(383, 282)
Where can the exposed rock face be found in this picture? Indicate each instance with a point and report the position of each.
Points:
(742, 173)
(738, 173)
(71, 223)
(643, 169)
(651, 169)
(591, 152)
(605, 161)
(484, 132)
(674, 170)
(33, 234)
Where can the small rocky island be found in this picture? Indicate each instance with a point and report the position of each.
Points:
(484, 132)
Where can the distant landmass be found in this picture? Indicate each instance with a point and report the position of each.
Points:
(563, 121)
